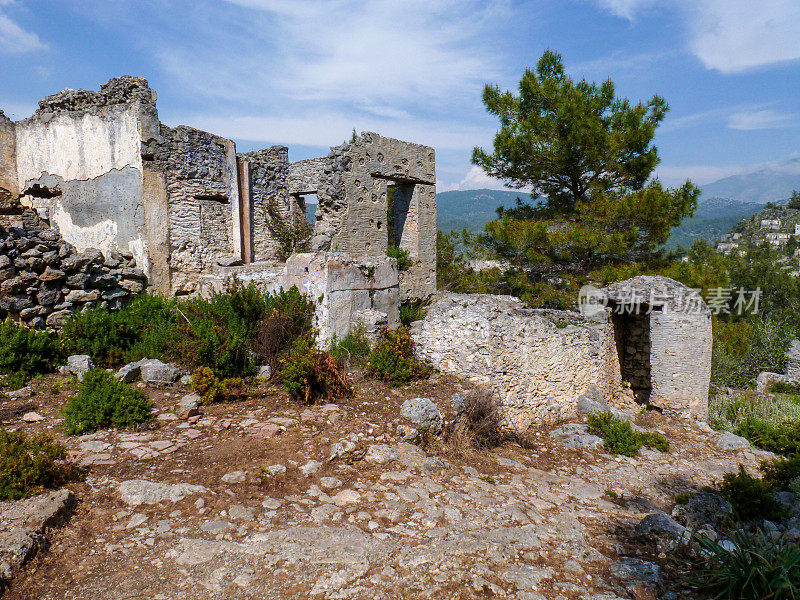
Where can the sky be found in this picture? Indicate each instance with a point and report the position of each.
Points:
(306, 73)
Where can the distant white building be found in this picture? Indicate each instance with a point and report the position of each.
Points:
(736, 236)
(770, 224)
(726, 248)
(778, 239)
(797, 228)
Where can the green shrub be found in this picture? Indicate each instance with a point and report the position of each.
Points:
(757, 568)
(784, 387)
(392, 359)
(228, 332)
(25, 352)
(729, 412)
(782, 438)
(752, 499)
(743, 350)
(213, 389)
(287, 317)
(102, 401)
(310, 374)
(412, 310)
(782, 473)
(619, 437)
(28, 465)
(112, 338)
(354, 346)
(404, 261)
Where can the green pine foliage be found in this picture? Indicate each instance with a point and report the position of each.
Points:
(31, 464)
(24, 353)
(103, 401)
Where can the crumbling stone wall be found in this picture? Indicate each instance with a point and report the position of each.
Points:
(347, 292)
(275, 213)
(352, 216)
(538, 362)
(203, 196)
(43, 278)
(9, 187)
(78, 158)
(680, 341)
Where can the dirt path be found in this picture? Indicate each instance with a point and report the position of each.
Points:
(233, 505)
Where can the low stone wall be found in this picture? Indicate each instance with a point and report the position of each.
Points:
(537, 361)
(346, 291)
(43, 278)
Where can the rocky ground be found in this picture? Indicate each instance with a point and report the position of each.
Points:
(265, 499)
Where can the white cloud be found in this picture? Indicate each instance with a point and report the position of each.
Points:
(14, 39)
(731, 36)
(762, 119)
(329, 128)
(475, 179)
(624, 8)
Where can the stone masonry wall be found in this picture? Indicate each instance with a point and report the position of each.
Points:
(9, 187)
(272, 205)
(353, 204)
(44, 278)
(78, 158)
(202, 198)
(537, 362)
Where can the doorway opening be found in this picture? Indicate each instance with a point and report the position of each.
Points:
(632, 338)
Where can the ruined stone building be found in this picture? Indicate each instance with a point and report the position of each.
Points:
(115, 200)
(102, 169)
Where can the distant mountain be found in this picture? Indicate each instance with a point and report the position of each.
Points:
(773, 184)
(714, 218)
(472, 209)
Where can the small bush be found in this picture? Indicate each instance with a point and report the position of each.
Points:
(784, 387)
(782, 473)
(412, 310)
(752, 499)
(310, 374)
(404, 261)
(287, 316)
(354, 346)
(619, 437)
(392, 359)
(783, 438)
(25, 352)
(212, 389)
(744, 412)
(28, 465)
(112, 338)
(477, 426)
(102, 401)
(757, 568)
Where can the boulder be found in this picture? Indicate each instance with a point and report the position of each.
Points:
(704, 510)
(264, 372)
(79, 364)
(662, 530)
(730, 441)
(423, 413)
(130, 372)
(155, 371)
(189, 406)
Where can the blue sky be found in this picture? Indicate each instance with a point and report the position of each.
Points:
(305, 73)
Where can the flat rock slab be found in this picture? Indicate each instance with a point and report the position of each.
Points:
(140, 491)
(24, 526)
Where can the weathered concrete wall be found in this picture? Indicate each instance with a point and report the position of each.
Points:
(538, 362)
(353, 209)
(9, 186)
(79, 157)
(347, 292)
(43, 278)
